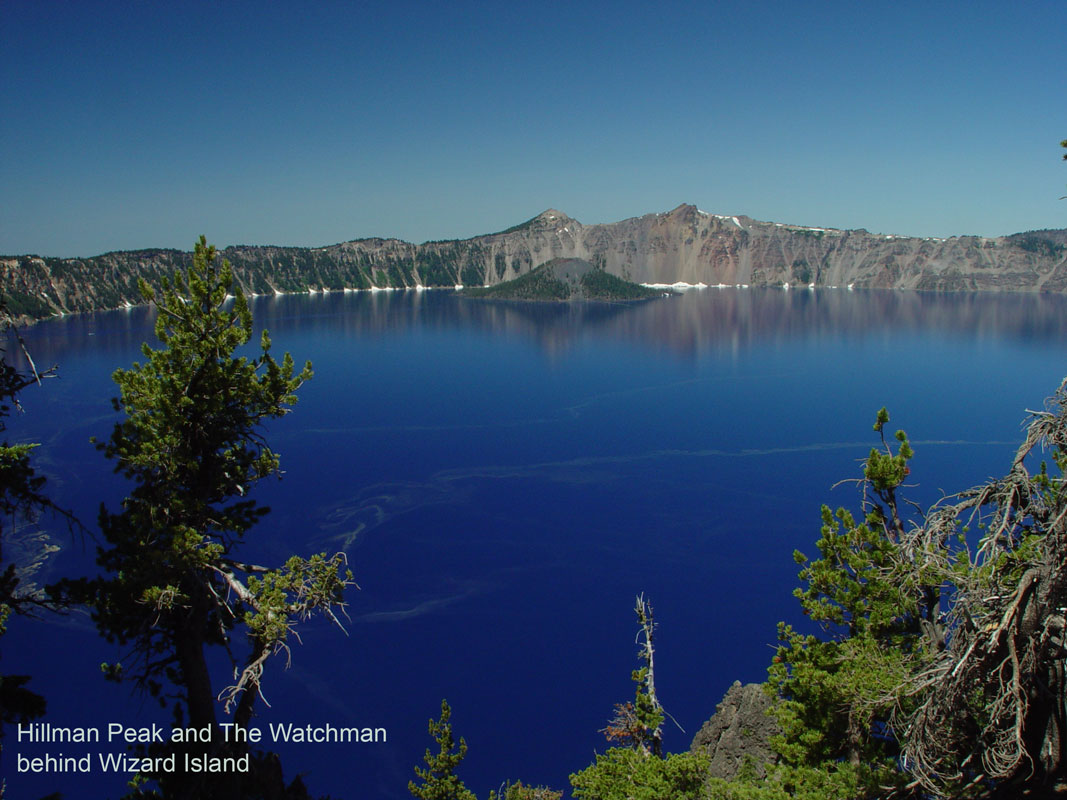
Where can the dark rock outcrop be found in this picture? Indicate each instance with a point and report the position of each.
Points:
(739, 731)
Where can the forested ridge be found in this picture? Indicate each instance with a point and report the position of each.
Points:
(683, 245)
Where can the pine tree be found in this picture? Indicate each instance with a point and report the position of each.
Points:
(438, 780)
(22, 499)
(989, 707)
(192, 443)
(832, 688)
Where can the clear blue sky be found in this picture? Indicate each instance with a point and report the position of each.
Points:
(130, 125)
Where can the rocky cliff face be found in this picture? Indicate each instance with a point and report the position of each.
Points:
(684, 245)
(738, 736)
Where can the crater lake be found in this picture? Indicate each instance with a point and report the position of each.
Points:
(505, 478)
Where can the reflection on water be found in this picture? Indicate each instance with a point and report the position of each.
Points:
(684, 324)
(505, 477)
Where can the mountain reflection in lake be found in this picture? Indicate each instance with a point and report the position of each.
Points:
(505, 477)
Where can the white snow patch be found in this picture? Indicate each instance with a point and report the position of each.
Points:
(680, 286)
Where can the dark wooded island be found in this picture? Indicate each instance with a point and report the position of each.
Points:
(563, 279)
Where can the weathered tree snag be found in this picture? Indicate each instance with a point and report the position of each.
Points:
(639, 724)
(991, 705)
(648, 655)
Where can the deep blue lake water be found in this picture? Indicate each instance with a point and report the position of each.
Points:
(505, 478)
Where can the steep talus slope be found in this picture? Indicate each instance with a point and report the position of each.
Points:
(685, 244)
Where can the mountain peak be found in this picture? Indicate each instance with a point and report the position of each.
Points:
(549, 218)
(552, 215)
